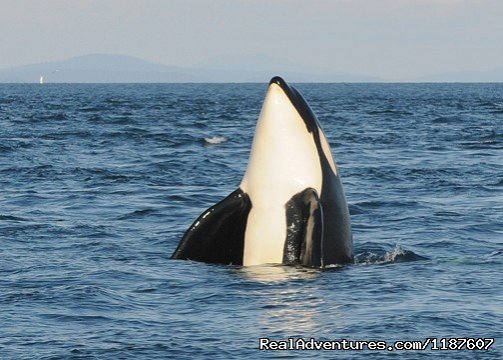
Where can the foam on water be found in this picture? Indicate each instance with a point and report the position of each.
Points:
(215, 140)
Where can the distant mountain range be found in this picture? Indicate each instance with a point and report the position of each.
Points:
(99, 68)
(105, 68)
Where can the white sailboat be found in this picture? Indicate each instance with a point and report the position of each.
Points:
(41, 80)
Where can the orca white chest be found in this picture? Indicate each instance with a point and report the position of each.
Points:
(283, 162)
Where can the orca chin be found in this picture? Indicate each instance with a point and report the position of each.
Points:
(290, 207)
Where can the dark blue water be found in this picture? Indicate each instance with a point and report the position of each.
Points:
(99, 182)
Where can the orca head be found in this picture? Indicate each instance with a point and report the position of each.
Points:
(298, 102)
(286, 159)
(286, 148)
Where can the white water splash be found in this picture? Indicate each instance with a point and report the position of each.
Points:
(215, 140)
(391, 256)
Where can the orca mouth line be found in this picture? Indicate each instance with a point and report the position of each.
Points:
(299, 103)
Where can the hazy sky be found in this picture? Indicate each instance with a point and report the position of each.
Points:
(387, 38)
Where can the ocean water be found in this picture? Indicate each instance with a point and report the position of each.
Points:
(99, 182)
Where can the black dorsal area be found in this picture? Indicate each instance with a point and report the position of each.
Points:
(299, 103)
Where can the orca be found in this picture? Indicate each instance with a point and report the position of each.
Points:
(290, 207)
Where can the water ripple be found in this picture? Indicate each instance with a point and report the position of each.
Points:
(99, 182)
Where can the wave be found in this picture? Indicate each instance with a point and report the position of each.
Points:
(137, 214)
(378, 256)
(11, 218)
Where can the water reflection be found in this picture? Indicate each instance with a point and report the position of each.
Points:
(292, 300)
(277, 273)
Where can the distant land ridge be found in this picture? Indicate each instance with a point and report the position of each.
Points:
(110, 68)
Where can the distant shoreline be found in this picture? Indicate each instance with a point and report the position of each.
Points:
(105, 68)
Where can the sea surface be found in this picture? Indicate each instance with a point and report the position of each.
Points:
(99, 182)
